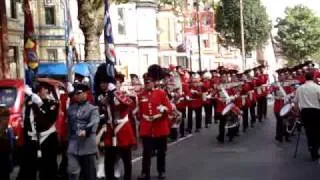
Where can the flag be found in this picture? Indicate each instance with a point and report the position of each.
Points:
(31, 60)
(109, 45)
(108, 38)
(69, 40)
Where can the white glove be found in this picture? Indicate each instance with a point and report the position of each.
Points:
(188, 98)
(28, 90)
(162, 108)
(111, 87)
(70, 87)
(36, 99)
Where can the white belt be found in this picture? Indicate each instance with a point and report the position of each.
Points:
(43, 135)
(151, 118)
(121, 122)
(279, 97)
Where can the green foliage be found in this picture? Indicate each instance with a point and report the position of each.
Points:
(256, 24)
(299, 34)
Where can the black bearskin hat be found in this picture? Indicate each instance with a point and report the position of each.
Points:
(120, 77)
(105, 73)
(156, 72)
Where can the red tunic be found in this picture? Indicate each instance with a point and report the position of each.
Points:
(125, 136)
(185, 90)
(148, 103)
(196, 96)
(207, 85)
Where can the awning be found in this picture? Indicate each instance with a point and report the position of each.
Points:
(60, 69)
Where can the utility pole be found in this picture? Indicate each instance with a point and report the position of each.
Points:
(243, 51)
(198, 33)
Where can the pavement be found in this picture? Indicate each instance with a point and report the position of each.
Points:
(255, 155)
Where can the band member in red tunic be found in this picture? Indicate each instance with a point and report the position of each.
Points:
(119, 137)
(215, 83)
(181, 102)
(207, 98)
(195, 103)
(279, 96)
(252, 97)
(154, 108)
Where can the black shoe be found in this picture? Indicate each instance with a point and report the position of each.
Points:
(162, 176)
(288, 139)
(220, 140)
(182, 136)
(197, 131)
(206, 126)
(189, 131)
(143, 177)
(279, 139)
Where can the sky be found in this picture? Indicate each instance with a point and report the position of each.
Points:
(275, 8)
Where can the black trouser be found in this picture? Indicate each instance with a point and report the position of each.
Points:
(208, 113)
(198, 112)
(160, 145)
(310, 117)
(182, 125)
(253, 113)
(111, 156)
(260, 108)
(245, 118)
(281, 129)
(265, 107)
(47, 164)
(5, 168)
(222, 124)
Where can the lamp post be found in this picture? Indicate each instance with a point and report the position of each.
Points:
(243, 51)
(198, 34)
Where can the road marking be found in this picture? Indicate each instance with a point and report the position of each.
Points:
(137, 159)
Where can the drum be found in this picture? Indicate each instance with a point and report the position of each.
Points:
(288, 116)
(286, 111)
(231, 117)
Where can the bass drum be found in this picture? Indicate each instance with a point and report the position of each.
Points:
(231, 117)
(288, 117)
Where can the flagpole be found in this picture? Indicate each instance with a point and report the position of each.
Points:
(198, 34)
(244, 63)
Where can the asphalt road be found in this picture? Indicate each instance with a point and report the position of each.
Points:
(255, 155)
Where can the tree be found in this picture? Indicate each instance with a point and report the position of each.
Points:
(91, 17)
(299, 33)
(256, 24)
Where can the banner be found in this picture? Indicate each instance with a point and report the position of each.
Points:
(69, 41)
(206, 22)
(4, 66)
(30, 57)
(108, 37)
(190, 23)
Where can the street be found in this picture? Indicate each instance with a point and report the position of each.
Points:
(252, 156)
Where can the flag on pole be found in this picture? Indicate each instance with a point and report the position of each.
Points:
(31, 60)
(69, 40)
(109, 44)
(108, 37)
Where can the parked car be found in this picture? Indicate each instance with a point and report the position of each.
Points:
(12, 97)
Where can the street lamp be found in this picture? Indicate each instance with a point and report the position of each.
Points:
(198, 30)
(242, 36)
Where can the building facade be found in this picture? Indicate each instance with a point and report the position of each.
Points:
(15, 24)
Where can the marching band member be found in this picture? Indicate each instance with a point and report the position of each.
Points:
(207, 98)
(195, 103)
(259, 92)
(215, 83)
(245, 101)
(154, 107)
(279, 96)
(119, 137)
(221, 99)
(83, 120)
(181, 102)
(252, 97)
(41, 142)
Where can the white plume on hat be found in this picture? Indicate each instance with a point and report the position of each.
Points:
(207, 75)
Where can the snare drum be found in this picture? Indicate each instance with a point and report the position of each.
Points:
(285, 110)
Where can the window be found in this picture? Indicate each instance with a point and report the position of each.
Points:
(182, 61)
(206, 43)
(52, 54)
(11, 8)
(8, 96)
(50, 15)
(13, 61)
(165, 61)
(121, 22)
